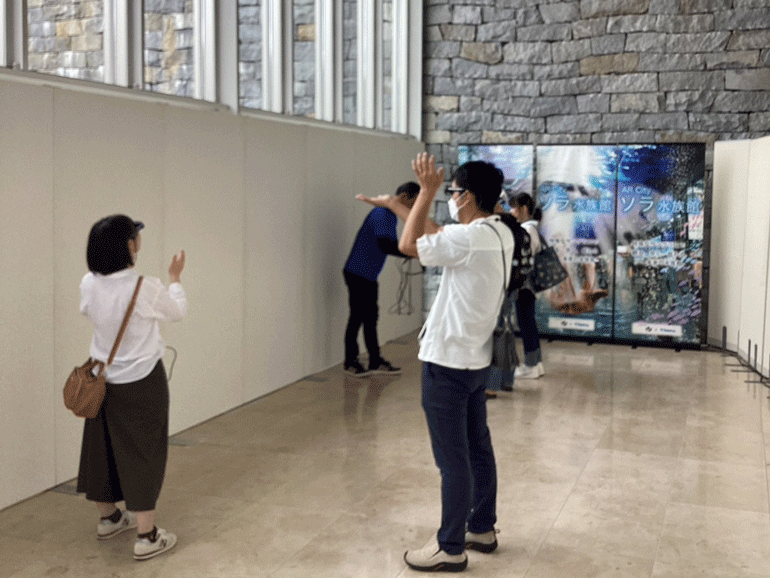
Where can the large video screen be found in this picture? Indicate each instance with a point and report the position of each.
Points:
(627, 222)
(659, 255)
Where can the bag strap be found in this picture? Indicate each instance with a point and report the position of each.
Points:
(125, 321)
(502, 251)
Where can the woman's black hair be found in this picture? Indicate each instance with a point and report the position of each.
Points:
(526, 200)
(107, 250)
(484, 180)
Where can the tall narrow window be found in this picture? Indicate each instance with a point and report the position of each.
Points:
(349, 60)
(168, 47)
(250, 53)
(304, 57)
(66, 38)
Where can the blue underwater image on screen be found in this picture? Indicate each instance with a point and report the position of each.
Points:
(660, 224)
(576, 192)
(627, 222)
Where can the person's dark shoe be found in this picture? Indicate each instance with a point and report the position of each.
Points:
(355, 369)
(433, 559)
(490, 394)
(384, 368)
(486, 542)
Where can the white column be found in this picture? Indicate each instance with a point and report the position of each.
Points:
(366, 63)
(109, 41)
(339, 31)
(400, 81)
(379, 68)
(125, 40)
(272, 55)
(325, 70)
(226, 50)
(414, 82)
(13, 29)
(288, 57)
(204, 49)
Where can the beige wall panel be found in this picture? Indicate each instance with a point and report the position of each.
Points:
(275, 177)
(265, 210)
(756, 229)
(31, 394)
(108, 158)
(328, 195)
(728, 216)
(204, 215)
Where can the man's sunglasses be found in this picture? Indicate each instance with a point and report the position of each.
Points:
(453, 190)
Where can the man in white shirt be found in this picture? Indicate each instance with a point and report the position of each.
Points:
(456, 350)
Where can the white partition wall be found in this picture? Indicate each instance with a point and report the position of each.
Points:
(263, 207)
(759, 187)
(728, 218)
(740, 250)
(756, 235)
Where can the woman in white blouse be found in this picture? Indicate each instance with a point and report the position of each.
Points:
(125, 447)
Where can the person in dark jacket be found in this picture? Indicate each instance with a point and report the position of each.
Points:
(376, 239)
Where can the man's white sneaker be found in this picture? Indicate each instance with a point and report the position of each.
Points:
(433, 559)
(526, 372)
(144, 549)
(540, 368)
(486, 542)
(106, 529)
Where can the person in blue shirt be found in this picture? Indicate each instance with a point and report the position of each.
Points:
(376, 239)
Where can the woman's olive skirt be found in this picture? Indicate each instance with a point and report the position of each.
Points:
(125, 447)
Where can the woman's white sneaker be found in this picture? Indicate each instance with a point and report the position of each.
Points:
(526, 372)
(106, 529)
(144, 549)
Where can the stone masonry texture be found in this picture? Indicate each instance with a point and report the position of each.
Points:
(594, 71)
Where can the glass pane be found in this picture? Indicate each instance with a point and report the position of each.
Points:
(66, 38)
(349, 60)
(304, 58)
(168, 47)
(387, 64)
(250, 53)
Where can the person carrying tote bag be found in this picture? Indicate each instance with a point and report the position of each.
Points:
(523, 208)
(125, 447)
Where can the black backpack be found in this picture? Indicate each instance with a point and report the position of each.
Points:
(523, 261)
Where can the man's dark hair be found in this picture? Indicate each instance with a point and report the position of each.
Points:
(484, 180)
(107, 250)
(410, 190)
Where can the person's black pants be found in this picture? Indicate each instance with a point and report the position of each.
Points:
(362, 295)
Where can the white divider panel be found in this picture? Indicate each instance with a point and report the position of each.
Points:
(756, 234)
(728, 218)
(759, 186)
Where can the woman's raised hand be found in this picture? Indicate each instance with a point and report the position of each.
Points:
(176, 267)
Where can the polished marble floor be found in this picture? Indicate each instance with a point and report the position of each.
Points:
(618, 463)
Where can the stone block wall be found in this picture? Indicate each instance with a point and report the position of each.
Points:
(168, 47)
(594, 71)
(250, 53)
(65, 38)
